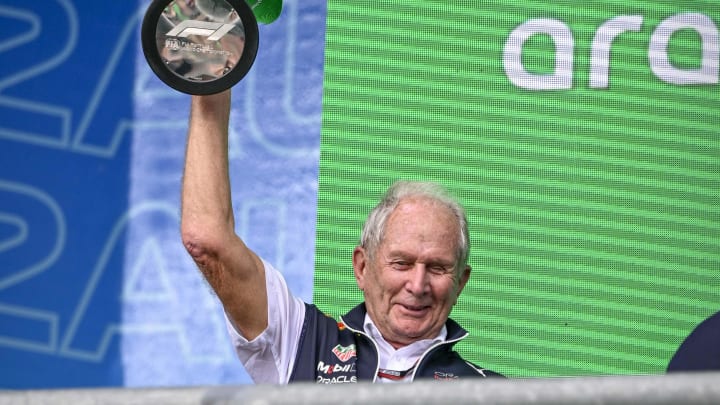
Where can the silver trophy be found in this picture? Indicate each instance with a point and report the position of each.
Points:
(200, 46)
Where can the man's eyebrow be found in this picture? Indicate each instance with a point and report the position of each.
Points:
(397, 254)
(441, 263)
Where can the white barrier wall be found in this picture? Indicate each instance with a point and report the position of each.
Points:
(699, 388)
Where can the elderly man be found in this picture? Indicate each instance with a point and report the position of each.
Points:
(411, 266)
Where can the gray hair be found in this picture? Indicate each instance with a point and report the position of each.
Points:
(374, 228)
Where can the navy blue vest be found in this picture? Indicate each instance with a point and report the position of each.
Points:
(334, 352)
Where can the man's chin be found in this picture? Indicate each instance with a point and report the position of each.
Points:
(411, 331)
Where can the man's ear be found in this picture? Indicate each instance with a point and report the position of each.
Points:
(359, 261)
(463, 279)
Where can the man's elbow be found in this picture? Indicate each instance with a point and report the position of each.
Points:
(205, 252)
(199, 243)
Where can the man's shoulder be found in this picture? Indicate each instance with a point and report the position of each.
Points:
(455, 333)
(318, 320)
(483, 372)
(446, 364)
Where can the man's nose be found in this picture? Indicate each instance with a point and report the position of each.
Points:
(418, 281)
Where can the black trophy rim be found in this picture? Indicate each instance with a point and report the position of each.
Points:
(148, 34)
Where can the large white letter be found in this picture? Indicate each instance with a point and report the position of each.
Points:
(658, 57)
(600, 53)
(562, 77)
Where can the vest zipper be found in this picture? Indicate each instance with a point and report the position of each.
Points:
(366, 336)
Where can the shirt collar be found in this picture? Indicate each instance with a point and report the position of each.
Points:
(414, 349)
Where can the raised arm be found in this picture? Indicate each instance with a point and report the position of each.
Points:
(207, 222)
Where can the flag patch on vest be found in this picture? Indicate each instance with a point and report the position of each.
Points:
(344, 353)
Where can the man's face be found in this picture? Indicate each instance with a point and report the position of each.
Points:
(411, 283)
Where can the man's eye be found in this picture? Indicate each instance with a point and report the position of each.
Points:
(401, 265)
(438, 269)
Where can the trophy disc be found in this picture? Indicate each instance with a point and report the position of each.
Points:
(200, 46)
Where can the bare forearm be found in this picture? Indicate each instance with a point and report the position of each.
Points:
(206, 201)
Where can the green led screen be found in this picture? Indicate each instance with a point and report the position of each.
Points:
(583, 139)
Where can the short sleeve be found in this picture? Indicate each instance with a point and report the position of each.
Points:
(270, 357)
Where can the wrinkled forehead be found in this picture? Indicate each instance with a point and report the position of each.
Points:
(423, 209)
(422, 221)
